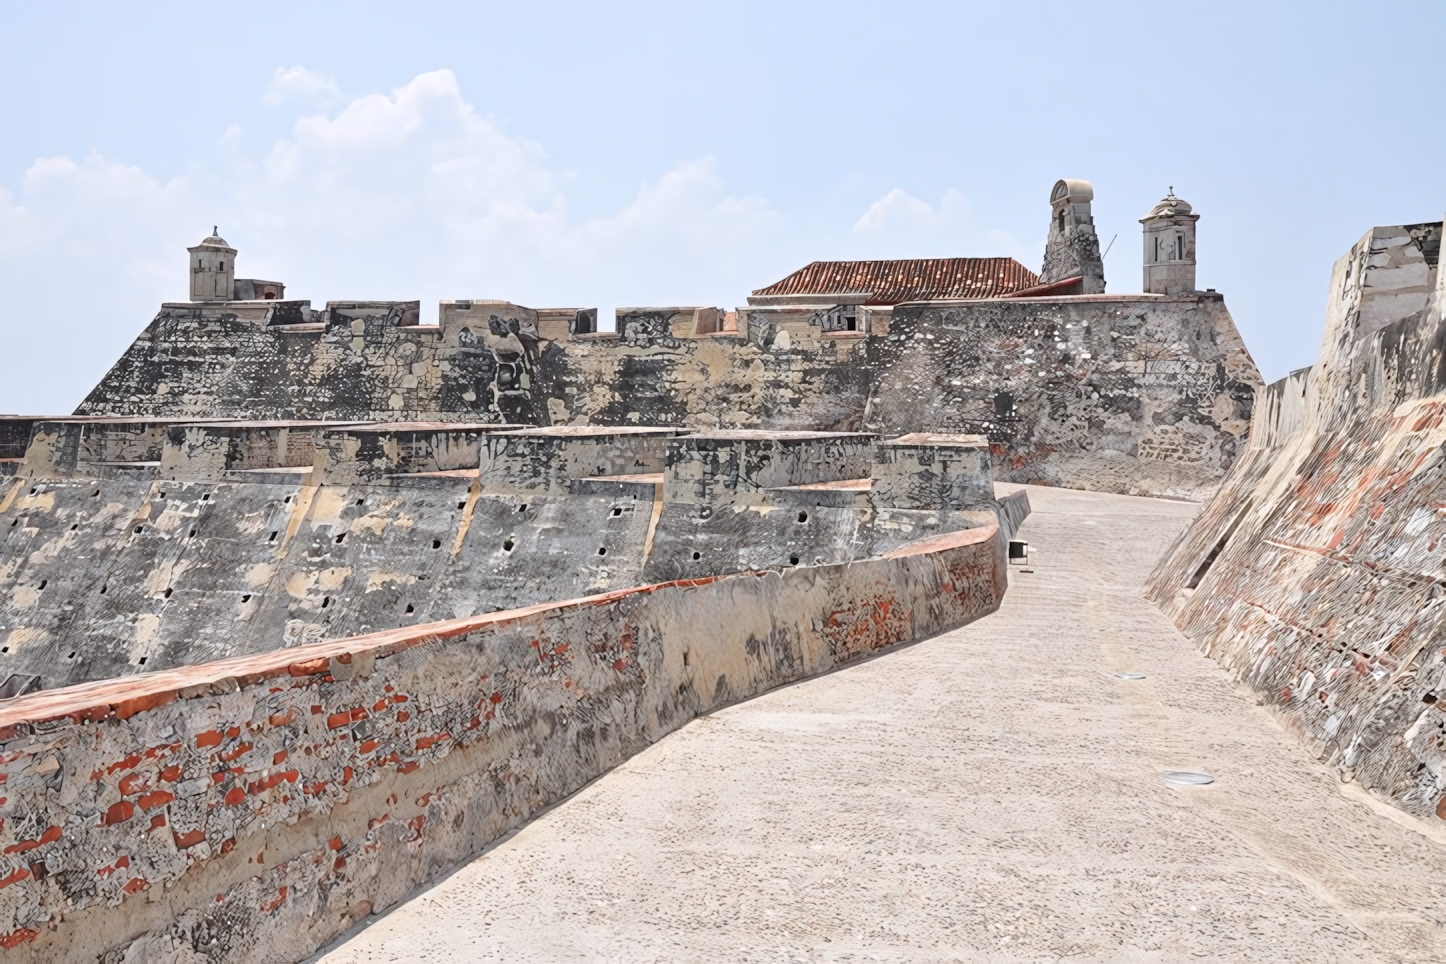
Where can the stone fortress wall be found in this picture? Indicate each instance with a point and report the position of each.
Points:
(1316, 573)
(134, 546)
(1140, 393)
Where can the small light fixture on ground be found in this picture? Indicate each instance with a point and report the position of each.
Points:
(1129, 675)
(1188, 778)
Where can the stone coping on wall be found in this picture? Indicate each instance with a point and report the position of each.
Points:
(936, 440)
(127, 696)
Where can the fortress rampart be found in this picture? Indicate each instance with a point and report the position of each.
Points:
(1315, 575)
(260, 805)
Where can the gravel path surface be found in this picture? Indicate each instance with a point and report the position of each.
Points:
(993, 794)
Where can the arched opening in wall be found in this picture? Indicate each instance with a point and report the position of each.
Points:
(1061, 221)
(1219, 547)
(269, 296)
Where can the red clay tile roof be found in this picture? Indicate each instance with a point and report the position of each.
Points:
(919, 279)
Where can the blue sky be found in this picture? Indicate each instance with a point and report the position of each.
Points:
(674, 153)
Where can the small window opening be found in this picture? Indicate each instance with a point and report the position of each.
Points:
(95, 494)
(163, 495)
(360, 501)
(286, 500)
(246, 597)
(687, 658)
(103, 589)
(4, 649)
(603, 551)
(1157, 250)
(1003, 404)
(1061, 220)
(139, 528)
(35, 490)
(206, 497)
(191, 534)
(1179, 247)
(14, 523)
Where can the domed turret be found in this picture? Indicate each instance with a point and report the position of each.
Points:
(1170, 246)
(1072, 249)
(213, 269)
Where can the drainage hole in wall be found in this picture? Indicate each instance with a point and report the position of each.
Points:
(286, 500)
(143, 660)
(192, 534)
(793, 560)
(617, 511)
(697, 556)
(603, 551)
(34, 490)
(139, 528)
(522, 507)
(14, 523)
(246, 597)
(507, 546)
(410, 608)
(273, 536)
(340, 537)
(163, 495)
(436, 543)
(687, 658)
(803, 517)
(74, 527)
(206, 497)
(325, 601)
(42, 583)
(168, 592)
(95, 494)
(71, 656)
(4, 649)
(462, 504)
(360, 501)
(103, 589)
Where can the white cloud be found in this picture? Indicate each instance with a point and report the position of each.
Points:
(899, 225)
(300, 84)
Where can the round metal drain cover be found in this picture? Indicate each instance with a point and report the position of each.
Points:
(1130, 675)
(1188, 778)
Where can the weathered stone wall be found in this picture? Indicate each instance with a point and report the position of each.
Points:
(1141, 395)
(1136, 394)
(253, 809)
(113, 568)
(1316, 573)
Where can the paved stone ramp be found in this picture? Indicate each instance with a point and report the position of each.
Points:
(993, 794)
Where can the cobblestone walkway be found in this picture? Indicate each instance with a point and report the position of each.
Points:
(993, 794)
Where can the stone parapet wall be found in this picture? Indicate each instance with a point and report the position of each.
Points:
(253, 809)
(1144, 395)
(1316, 573)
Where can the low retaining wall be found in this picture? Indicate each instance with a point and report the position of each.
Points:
(252, 809)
